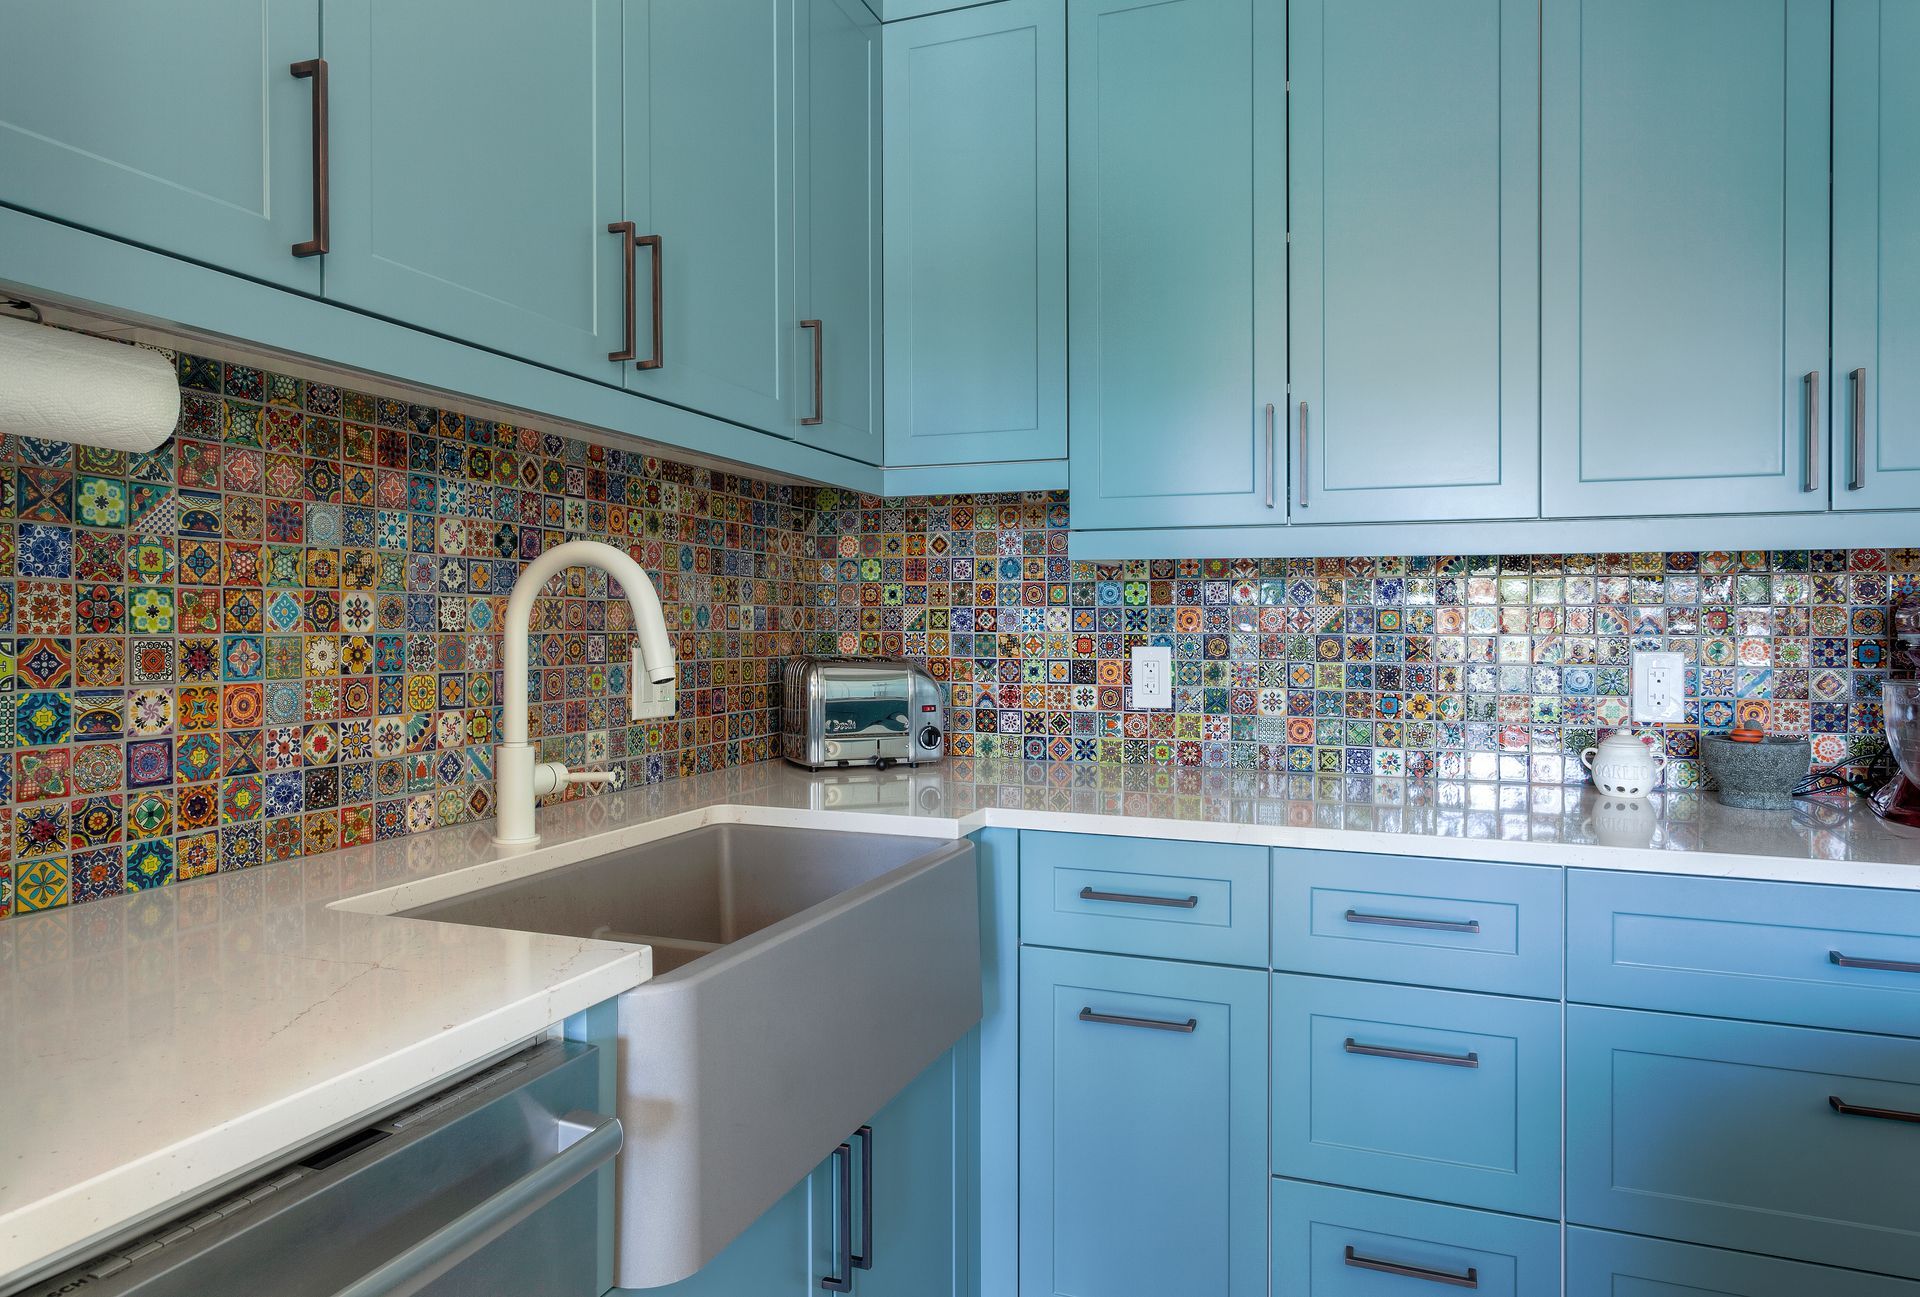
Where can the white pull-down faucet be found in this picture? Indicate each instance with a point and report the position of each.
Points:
(518, 779)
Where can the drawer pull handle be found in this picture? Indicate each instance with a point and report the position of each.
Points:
(1884, 965)
(1395, 921)
(1412, 1055)
(1471, 1279)
(1152, 1024)
(1846, 1109)
(1134, 898)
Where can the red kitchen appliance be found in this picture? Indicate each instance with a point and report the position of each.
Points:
(1899, 799)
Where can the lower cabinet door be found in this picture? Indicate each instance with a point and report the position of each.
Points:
(1143, 1168)
(1343, 1243)
(1600, 1264)
(1433, 1094)
(1779, 1140)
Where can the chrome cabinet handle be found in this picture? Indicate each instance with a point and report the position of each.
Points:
(1884, 965)
(1857, 477)
(626, 232)
(843, 1242)
(819, 387)
(1151, 1024)
(1133, 898)
(659, 357)
(1471, 1279)
(1395, 921)
(590, 1142)
(1303, 454)
(863, 1259)
(1811, 480)
(1412, 1055)
(1272, 467)
(322, 206)
(1846, 1109)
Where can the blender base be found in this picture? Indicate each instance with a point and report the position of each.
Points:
(1898, 801)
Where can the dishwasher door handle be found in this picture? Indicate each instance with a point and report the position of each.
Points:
(588, 1141)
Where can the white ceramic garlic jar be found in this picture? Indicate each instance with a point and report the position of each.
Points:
(1624, 765)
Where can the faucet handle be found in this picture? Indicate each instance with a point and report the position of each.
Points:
(551, 776)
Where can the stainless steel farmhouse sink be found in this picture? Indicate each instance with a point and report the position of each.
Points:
(802, 978)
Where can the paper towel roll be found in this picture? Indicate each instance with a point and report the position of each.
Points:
(64, 386)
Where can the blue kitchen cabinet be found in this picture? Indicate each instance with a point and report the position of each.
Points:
(1176, 216)
(178, 126)
(1330, 1242)
(708, 143)
(976, 247)
(836, 394)
(1143, 1166)
(1875, 411)
(1415, 238)
(912, 1196)
(1600, 1264)
(1684, 149)
(475, 169)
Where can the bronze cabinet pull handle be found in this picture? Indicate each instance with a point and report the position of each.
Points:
(819, 385)
(863, 1259)
(1839, 960)
(659, 357)
(1303, 454)
(1151, 1024)
(1412, 1055)
(1811, 481)
(1471, 1279)
(842, 1279)
(1135, 898)
(1272, 466)
(316, 69)
(1846, 1109)
(1858, 476)
(1396, 921)
(625, 230)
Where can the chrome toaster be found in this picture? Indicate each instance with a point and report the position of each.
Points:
(860, 712)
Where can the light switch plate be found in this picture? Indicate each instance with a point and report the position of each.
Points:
(1152, 677)
(651, 701)
(1659, 687)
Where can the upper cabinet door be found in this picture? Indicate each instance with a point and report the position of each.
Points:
(837, 169)
(709, 170)
(1684, 256)
(476, 167)
(1876, 254)
(976, 255)
(1415, 279)
(179, 126)
(1176, 212)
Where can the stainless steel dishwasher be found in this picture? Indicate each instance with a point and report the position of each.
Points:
(486, 1189)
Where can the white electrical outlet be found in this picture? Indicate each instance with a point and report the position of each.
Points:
(1152, 678)
(1659, 687)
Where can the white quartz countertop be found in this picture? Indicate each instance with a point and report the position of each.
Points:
(163, 1043)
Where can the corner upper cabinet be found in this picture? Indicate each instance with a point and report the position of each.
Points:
(1176, 216)
(179, 126)
(1414, 293)
(475, 169)
(837, 171)
(1876, 254)
(708, 142)
(1684, 256)
(976, 250)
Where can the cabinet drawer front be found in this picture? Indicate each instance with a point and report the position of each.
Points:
(1342, 1243)
(1434, 1094)
(1600, 1264)
(1455, 923)
(1143, 1165)
(1773, 952)
(1144, 896)
(1728, 1133)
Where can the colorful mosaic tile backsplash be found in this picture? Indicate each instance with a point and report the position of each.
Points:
(1450, 667)
(275, 634)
